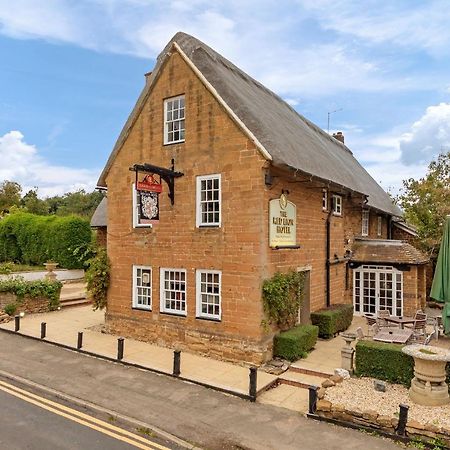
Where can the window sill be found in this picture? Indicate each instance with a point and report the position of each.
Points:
(174, 143)
(209, 319)
(137, 308)
(168, 313)
(209, 226)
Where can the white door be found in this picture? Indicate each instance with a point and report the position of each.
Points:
(377, 287)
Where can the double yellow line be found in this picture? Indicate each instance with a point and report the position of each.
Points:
(81, 418)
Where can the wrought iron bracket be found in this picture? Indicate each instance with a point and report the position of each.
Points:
(168, 175)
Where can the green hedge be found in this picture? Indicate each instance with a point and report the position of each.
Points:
(332, 320)
(296, 342)
(31, 239)
(50, 289)
(385, 361)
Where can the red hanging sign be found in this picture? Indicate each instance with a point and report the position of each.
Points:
(149, 184)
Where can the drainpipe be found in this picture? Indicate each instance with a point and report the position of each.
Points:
(327, 261)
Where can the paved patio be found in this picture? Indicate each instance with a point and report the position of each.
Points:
(63, 327)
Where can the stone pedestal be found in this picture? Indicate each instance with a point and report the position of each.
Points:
(347, 359)
(428, 387)
(50, 266)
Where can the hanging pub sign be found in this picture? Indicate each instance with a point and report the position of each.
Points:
(282, 223)
(148, 191)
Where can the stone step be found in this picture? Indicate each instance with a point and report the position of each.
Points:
(77, 302)
(307, 371)
(301, 380)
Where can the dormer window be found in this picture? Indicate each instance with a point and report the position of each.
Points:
(365, 222)
(174, 120)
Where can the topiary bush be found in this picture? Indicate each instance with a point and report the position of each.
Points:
(32, 239)
(296, 342)
(332, 320)
(386, 362)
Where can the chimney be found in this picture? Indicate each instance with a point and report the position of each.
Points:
(339, 136)
(147, 77)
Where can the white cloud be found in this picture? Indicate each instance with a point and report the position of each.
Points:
(22, 163)
(428, 136)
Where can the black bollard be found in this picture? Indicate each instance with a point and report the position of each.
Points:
(80, 340)
(177, 363)
(120, 348)
(43, 330)
(16, 323)
(312, 399)
(252, 383)
(402, 420)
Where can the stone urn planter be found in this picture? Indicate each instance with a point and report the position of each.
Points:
(50, 266)
(428, 387)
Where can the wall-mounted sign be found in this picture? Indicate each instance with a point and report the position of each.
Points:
(148, 191)
(282, 223)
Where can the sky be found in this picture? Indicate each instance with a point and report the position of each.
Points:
(71, 72)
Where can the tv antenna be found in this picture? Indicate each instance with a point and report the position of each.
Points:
(329, 114)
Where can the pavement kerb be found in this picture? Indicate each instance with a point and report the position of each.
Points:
(242, 395)
(99, 409)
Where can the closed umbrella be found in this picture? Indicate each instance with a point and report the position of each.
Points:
(440, 289)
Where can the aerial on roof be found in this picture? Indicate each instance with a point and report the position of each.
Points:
(280, 133)
(383, 251)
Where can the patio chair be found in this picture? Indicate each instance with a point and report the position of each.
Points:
(419, 329)
(382, 315)
(419, 316)
(370, 320)
(359, 333)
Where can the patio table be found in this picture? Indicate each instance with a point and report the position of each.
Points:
(400, 320)
(395, 335)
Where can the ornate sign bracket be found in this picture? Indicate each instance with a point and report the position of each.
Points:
(168, 175)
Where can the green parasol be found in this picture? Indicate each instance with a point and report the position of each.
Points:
(440, 289)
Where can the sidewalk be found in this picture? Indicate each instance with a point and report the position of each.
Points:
(202, 416)
(63, 327)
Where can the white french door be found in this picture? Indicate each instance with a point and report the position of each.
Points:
(377, 287)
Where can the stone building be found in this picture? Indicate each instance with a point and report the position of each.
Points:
(214, 184)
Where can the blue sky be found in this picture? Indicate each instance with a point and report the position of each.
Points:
(70, 73)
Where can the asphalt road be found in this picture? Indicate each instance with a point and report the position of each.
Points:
(24, 426)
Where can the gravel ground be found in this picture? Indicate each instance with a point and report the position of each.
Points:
(358, 394)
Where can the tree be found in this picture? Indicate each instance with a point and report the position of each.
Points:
(10, 193)
(33, 204)
(426, 203)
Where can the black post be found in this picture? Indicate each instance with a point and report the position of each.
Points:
(43, 330)
(312, 399)
(177, 363)
(402, 420)
(120, 348)
(253, 375)
(16, 323)
(80, 340)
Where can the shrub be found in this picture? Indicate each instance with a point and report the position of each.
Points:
(282, 296)
(386, 362)
(97, 277)
(10, 309)
(6, 268)
(332, 320)
(296, 342)
(32, 239)
(38, 288)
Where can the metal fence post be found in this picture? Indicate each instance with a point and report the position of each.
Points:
(80, 340)
(177, 363)
(120, 348)
(43, 330)
(312, 399)
(402, 420)
(16, 323)
(253, 376)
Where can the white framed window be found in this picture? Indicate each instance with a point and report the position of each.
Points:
(142, 287)
(337, 205)
(380, 226)
(365, 222)
(173, 291)
(209, 201)
(208, 288)
(174, 120)
(138, 221)
(324, 200)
